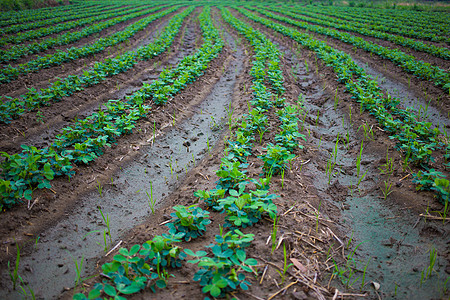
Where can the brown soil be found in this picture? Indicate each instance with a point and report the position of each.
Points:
(311, 217)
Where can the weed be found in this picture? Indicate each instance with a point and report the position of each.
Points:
(386, 190)
(106, 220)
(99, 188)
(14, 274)
(78, 269)
(286, 266)
(358, 165)
(151, 200)
(274, 234)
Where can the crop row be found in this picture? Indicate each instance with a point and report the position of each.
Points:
(33, 34)
(12, 108)
(16, 17)
(408, 30)
(11, 73)
(85, 140)
(17, 51)
(364, 29)
(409, 24)
(73, 15)
(222, 270)
(416, 140)
(407, 62)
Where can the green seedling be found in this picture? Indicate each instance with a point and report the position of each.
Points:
(14, 274)
(99, 188)
(286, 266)
(388, 167)
(306, 66)
(274, 234)
(363, 280)
(428, 271)
(358, 165)
(282, 179)
(25, 289)
(386, 190)
(207, 144)
(78, 269)
(366, 131)
(349, 242)
(106, 220)
(318, 115)
(151, 200)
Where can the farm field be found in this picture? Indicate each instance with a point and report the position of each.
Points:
(255, 150)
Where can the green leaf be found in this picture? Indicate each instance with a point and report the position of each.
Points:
(215, 291)
(251, 262)
(134, 250)
(161, 284)
(48, 172)
(131, 289)
(79, 296)
(241, 255)
(94, 294)
(110, 290)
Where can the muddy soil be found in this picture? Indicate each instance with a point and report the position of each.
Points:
(30, 129)
(388, 234)
(337, 226)
(424, 89)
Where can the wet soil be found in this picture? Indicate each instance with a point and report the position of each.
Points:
(30, 130)
(386, 234)
(326, 220)
(422, 88)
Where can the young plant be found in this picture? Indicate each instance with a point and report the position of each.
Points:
(99, 188)
(190, 221)
(276, 159)
(106, 220)
(386, 190)
(274, 234)
(151, 201)
(224, 271)
(358, 165)
(14, 274)
(286, 266)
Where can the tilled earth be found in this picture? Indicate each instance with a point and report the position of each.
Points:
(323, 222)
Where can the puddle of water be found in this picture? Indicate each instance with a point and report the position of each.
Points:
(126, 201)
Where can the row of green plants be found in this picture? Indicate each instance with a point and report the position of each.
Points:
(85, 139)
(415, 139)
(407, 62)
(221, 269)
(42, 32)
(363, 29)
(10, 73)
(30, 15)
(33, 100)
(409, 25)
(73, 15)
(389, 26)
(17, 51)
